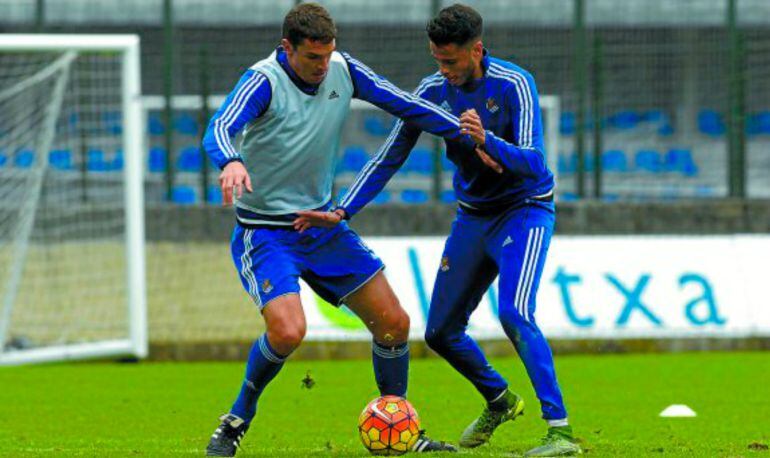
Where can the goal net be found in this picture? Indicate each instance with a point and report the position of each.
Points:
(71, 212)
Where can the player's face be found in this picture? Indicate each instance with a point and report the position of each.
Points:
(458, 63)
(309, 59)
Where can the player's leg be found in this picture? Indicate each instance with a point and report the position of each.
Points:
(342, 269)
(520, 246)
(378, 307)
(268, 274)
(284, 330)
(464, 275)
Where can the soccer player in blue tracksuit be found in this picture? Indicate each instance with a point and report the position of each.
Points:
(504, 221)
(291, 107)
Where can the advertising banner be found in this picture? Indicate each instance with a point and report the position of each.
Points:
(593, 287)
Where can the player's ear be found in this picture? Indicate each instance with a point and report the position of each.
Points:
(478, 49)
(287, 46)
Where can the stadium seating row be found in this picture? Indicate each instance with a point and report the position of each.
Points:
(675, 160)
(354, 158)
(709, 122)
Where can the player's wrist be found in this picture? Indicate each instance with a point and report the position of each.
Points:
(231, 161)
(341, 212)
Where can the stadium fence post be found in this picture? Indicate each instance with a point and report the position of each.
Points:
(39, 16)
(736, 116)
(168, 80)
(597, 112)
(579, 56)
(205, 91)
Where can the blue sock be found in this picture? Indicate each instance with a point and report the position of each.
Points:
(391, 368)
(263, 365)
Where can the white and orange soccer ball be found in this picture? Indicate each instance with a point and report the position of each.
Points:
(389, 425)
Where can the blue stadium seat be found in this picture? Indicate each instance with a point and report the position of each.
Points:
(154, 124)
(24, 159)
(186, 124)
(354, 158)
(648, 160)
(113, 122)
(414, 196)
(60, 159)
(377, 126)
(624, 120)
(666, 130)
(95, 161)
(680, 160)
(420, 161)
(448, 196)
(382, 198)
(215, 195)
(758, 123)
(567, 123)
(157, 159)
(117, 162)
(652, 116)
(610, 197)
(3, 158)
(614, 161)
(710, 123)
(568, 197)
(183, 195)
(190, 159)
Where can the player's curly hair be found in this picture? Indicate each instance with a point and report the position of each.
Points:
(308, 21)
(458, 24)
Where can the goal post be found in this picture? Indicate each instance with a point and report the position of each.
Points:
(550, 106)
(72, 257)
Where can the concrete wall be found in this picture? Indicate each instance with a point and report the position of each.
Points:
(690, 217)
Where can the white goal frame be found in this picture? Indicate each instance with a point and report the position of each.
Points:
(136, 344)
(551, 105)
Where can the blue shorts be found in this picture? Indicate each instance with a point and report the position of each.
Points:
(335, 262)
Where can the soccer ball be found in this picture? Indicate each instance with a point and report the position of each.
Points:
(389, 426)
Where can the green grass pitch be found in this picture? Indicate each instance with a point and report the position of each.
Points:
(170, 409)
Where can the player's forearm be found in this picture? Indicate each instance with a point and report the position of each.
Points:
(246, 102)
(212, 144)
(380, 169)
(520, 161)
(369, 183)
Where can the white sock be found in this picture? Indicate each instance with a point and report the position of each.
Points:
(560, 422)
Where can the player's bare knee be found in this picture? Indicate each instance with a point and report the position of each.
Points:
(394, 328)
(287, 338)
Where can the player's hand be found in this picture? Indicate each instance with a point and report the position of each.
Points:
(488, 161)
(310, 218)
(232, 180)
(470, 123)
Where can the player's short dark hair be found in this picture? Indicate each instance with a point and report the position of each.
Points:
(458, 24)
(308, 21)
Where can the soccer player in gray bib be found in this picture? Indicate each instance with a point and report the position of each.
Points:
(291, 107)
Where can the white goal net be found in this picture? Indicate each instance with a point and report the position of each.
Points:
(71, 212)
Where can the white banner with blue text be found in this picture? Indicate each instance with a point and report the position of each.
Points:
(592, 287)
